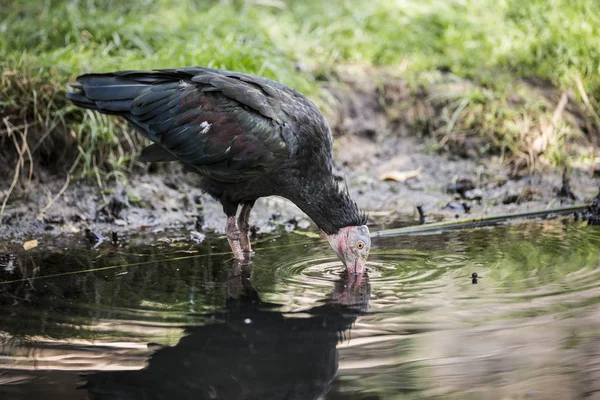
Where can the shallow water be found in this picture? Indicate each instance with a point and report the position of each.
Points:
(183, 321)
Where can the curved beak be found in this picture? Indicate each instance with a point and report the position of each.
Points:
(358, 267)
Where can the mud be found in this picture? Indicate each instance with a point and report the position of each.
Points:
(154, 203)
(369, 145)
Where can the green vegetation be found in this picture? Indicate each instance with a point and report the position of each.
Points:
(486, 45)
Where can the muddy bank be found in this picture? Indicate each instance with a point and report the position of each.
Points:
(443, 188)
(392, 174)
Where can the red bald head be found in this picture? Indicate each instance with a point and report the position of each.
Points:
(352, 245)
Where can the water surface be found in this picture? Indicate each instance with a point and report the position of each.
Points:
(183, 321)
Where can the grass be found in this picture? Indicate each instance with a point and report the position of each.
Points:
(486, 46)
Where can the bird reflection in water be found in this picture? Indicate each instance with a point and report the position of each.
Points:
(254, 352)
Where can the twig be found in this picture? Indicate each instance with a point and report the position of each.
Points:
(98, 178)
(586, 100)
(62, 190)
(17, 168)
(49, 130)
(461, 106)
(3, 131)
(560, 107)
(26, 145)
(548, 132)
(128, 139)
(455, 115)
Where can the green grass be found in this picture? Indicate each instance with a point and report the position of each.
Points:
(46, 43)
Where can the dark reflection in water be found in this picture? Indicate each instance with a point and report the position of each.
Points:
(228, 342)
(253, 352)
(180, 321)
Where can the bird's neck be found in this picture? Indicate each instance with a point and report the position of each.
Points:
(327, 204)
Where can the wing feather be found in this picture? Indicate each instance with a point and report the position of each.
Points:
(213, 123)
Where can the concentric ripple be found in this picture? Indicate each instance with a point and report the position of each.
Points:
(324, 271)
(419, 322)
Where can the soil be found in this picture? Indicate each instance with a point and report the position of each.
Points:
(369, 146)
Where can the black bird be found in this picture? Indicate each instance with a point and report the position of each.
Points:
(248, 136)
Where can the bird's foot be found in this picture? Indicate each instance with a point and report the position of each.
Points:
(236, 248)
(246, 247)
(234, 238)
(247, 257)
(238, 279)
(245, 243)
(233, 280)
(240, 252)
(244, 226)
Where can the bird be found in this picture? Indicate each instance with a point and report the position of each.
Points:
(247, 137)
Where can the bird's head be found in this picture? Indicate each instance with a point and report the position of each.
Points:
(352, 245)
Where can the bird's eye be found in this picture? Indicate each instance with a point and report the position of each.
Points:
(360, 245)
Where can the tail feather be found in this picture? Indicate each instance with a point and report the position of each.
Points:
(80, 100)
(115, 106)
(111, 93)
(117, 91)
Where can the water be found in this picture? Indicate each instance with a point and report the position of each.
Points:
(184, 321)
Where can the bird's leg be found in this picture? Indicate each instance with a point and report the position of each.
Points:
(238, 279)
(233, 237)
(233, 280)
(244, 225)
